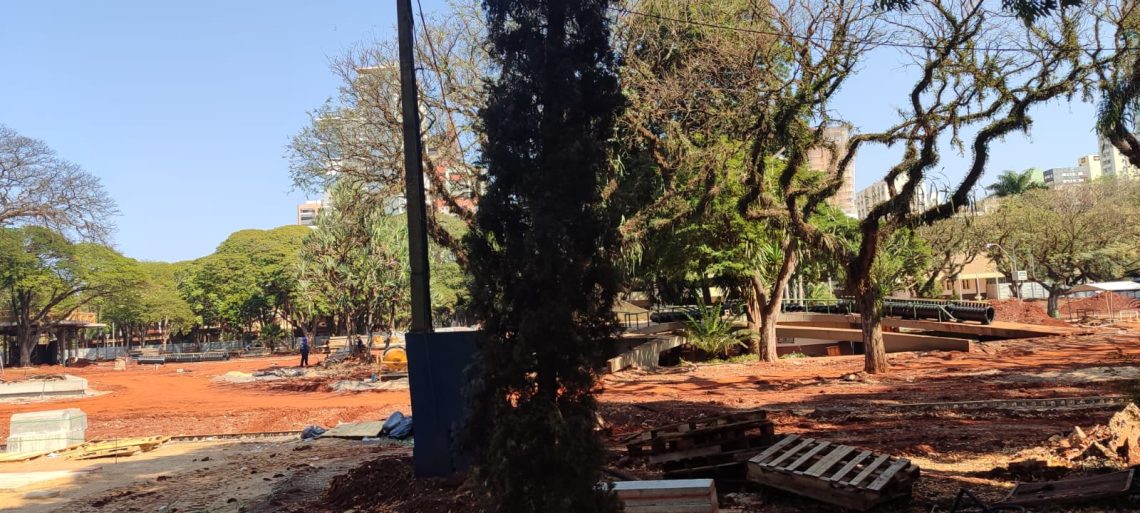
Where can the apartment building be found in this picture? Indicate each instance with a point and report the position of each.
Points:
(868, 198)
(819, 159)
(307, 212)
(1113, 163)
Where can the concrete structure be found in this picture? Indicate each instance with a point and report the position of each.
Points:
(307, 212)
(46, 430)
(1062, 176)
(1113, 163)
(868, 198)
(819, 159)
(1088, 168)
(68, 386)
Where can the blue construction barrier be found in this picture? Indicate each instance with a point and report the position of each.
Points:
(436, 378)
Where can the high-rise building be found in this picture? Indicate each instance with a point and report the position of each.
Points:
(925, 197)
(819, 159)
(1113, 163)
(307, 212)
(1089, 166)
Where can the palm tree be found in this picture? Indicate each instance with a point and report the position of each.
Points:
(1012, 183)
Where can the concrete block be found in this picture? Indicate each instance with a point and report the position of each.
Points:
(50, 441)
(50, 421)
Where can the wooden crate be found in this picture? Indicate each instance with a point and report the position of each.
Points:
(831, 473)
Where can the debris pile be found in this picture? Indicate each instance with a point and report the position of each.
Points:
(1115, 445)
(710, 447)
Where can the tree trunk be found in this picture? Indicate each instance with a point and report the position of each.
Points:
(1053, 303)
(752, 313)
(706, 291)
(872, 319)
(26, 343)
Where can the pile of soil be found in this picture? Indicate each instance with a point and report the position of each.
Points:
(388, 485)
(1099, 304)
(1025, 312)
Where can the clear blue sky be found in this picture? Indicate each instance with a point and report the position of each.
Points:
(184, 109)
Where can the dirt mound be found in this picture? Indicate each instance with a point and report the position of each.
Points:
(387, 485)
(1025, 312)
(1102, 303)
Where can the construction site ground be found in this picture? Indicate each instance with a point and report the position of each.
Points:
(826, 398)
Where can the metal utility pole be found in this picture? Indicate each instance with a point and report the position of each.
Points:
(413, 174)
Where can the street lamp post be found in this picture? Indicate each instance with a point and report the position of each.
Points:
(1012, 267)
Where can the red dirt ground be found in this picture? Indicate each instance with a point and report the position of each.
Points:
(159, 400)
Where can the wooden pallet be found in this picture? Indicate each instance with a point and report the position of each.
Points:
(696, 424)
(695, 436)
(831, 473)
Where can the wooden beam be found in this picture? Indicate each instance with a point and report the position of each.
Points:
(895, 342)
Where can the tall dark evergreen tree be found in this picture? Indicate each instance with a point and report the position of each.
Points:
(543, 255)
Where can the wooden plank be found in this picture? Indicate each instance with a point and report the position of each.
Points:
(886, 476)
(759, 459)
(867, 470)
(1071, 490)
(893, 342)
(806, 456)
(369, 429)
(826, 462)
(849, 466)
(788, 454)
(713, 448)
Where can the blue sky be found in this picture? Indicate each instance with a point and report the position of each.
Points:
(184, 109)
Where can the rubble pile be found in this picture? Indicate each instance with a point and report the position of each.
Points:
(1116, 444)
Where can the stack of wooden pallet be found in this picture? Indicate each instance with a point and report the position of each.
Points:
(114, 448)
(710, 447)
(835, 474)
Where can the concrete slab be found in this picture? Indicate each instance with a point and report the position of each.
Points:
(69, 385)
(645, 355)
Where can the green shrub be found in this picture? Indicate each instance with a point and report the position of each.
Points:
(710, 332)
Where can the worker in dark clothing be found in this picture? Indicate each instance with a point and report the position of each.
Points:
(304, 351)
(359, 346)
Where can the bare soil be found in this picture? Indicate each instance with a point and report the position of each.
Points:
(828, 398)
(186, 399)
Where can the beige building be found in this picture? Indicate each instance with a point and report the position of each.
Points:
(925, 197)
(1113, 163)
(819, 159)
(981, 279)
(307, 212)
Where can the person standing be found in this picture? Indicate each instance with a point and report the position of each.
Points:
(304, 351)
